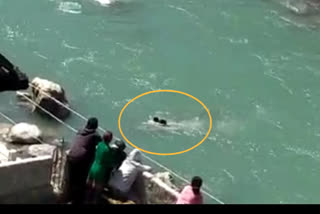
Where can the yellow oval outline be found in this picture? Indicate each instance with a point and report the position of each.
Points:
(171, 91)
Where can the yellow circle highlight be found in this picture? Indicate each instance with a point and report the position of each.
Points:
(171, 91)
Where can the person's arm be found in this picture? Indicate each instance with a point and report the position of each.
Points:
(141, 167)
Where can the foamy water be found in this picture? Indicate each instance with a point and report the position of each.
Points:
(70, 7)
(190, 127)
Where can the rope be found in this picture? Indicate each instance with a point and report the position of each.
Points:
(104, 130)
(181, 178)
(50, 114)
(7, 118)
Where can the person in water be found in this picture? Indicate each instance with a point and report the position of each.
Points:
(162, 122)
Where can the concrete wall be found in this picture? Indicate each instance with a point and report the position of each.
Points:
(25, 181)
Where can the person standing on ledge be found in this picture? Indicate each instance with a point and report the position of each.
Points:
(191, 194)
(100, 170)
(80, 159)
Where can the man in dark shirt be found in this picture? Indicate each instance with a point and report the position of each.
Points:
(120, 155)
(80, 159)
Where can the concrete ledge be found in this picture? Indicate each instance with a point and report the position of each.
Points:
(25, 161)
(18, 177)
(36, 195)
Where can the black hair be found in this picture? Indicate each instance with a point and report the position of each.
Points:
(92, 123)
(121, 145)
(196, 184)
(156, 119)
(163, 122)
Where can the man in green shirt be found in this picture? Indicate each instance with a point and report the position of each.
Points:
(98, 171)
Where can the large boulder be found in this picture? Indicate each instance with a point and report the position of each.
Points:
(44, 93)
(24, 133)
(11, 78)
(41, 150)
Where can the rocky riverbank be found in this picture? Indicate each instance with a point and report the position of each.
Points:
(26, 140)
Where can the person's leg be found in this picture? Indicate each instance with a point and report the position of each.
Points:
(79, 183)
(83, 178)
(108, 175)
(72, 184)
(90, 190)
(98, 193)
(82, 170)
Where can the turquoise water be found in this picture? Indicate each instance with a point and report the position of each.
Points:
(254, 64)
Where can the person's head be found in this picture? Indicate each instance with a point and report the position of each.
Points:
(163, 122)
(107, 137)
(156, 119)
(196, 184)
(92, 123)
(135, 155)
(121, 146)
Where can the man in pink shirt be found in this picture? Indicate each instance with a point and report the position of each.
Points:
(191, 193)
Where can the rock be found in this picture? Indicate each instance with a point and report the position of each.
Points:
(157, 194)
(40, 150)
(43, 94)
(41, 88)
(24, 133)
(11, 78)
(4, 129)
(167, 178)
(4, 153)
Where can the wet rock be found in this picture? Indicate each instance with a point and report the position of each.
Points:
(24, 133)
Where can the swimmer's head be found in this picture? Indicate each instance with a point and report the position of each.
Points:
(156, 119)
(163, 122)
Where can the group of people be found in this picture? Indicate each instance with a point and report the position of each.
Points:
(95, 163)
